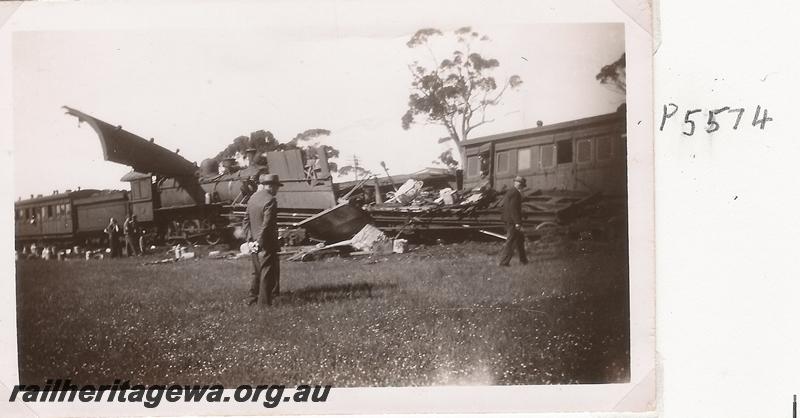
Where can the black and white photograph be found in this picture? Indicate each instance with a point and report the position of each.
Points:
(297, 194)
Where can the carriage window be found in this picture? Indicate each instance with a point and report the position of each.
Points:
(548, 156)
(144, 188)
(584, 148)
(49, 211)
(502, 162)
(472, 166)
(564, 151)
(603, 149)
(58, 210)
(68, 208)
(44, 211)
(524, 159)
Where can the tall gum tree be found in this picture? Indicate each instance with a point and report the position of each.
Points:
(614, 76)
(457, 91)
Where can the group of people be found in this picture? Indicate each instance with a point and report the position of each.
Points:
(45, 252)
(133, 237)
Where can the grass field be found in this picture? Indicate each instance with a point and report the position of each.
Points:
(442, 314)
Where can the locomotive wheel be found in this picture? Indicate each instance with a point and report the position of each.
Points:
(213, 237)
(173, 230)
(191, 228)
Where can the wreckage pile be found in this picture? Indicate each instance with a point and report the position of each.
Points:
(415, 209)
(477, 209)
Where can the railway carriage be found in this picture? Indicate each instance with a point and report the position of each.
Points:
(68, 218)
(584, 155)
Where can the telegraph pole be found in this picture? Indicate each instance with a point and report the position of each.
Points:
(355, 167)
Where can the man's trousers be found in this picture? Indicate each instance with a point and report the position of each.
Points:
(131, 245)
(265, 283)
(515, 240)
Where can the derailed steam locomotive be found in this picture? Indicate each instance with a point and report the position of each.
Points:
(172, 198)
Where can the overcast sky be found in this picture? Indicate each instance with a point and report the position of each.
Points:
(198, 88)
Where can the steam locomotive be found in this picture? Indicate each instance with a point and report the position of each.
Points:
(172, 198)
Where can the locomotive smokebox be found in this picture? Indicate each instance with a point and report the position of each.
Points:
(228, 165)
(209, 167)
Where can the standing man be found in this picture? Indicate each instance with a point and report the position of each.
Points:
(131, 228)
(261, 231)
(512, 216)
(113, 231)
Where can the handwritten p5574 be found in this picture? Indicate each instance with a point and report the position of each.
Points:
(716, 119)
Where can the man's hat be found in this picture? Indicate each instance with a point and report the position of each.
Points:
(270, 179)
(521, 180)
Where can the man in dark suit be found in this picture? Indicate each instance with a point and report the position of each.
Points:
(261, 231)
(113, 231)
(131, 230)
(512, 216)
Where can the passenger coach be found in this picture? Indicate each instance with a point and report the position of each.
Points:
(585, 155)
(68, 218)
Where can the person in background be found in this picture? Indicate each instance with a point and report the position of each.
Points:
(512, 216)
(141, 241)
(261, 232)
(249, 186)
(131, 228)
(113, 231)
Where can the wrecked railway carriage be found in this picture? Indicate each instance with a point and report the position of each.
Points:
(573, 168)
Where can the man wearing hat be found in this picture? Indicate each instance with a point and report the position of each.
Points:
(261, 231)
(512, 216)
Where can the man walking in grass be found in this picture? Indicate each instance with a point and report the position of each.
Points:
(512, 216)
(261, 232)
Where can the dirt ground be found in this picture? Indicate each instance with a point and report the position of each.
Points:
(439, 315)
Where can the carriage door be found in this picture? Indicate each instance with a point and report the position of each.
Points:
(565, 162)
(486, 159)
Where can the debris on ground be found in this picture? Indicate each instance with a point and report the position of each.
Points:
(368, 240)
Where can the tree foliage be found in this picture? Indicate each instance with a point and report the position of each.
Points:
(309, 141)
(262, 141)
(446, 159)
(613, 75)
(457, 91)
(357, 171)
